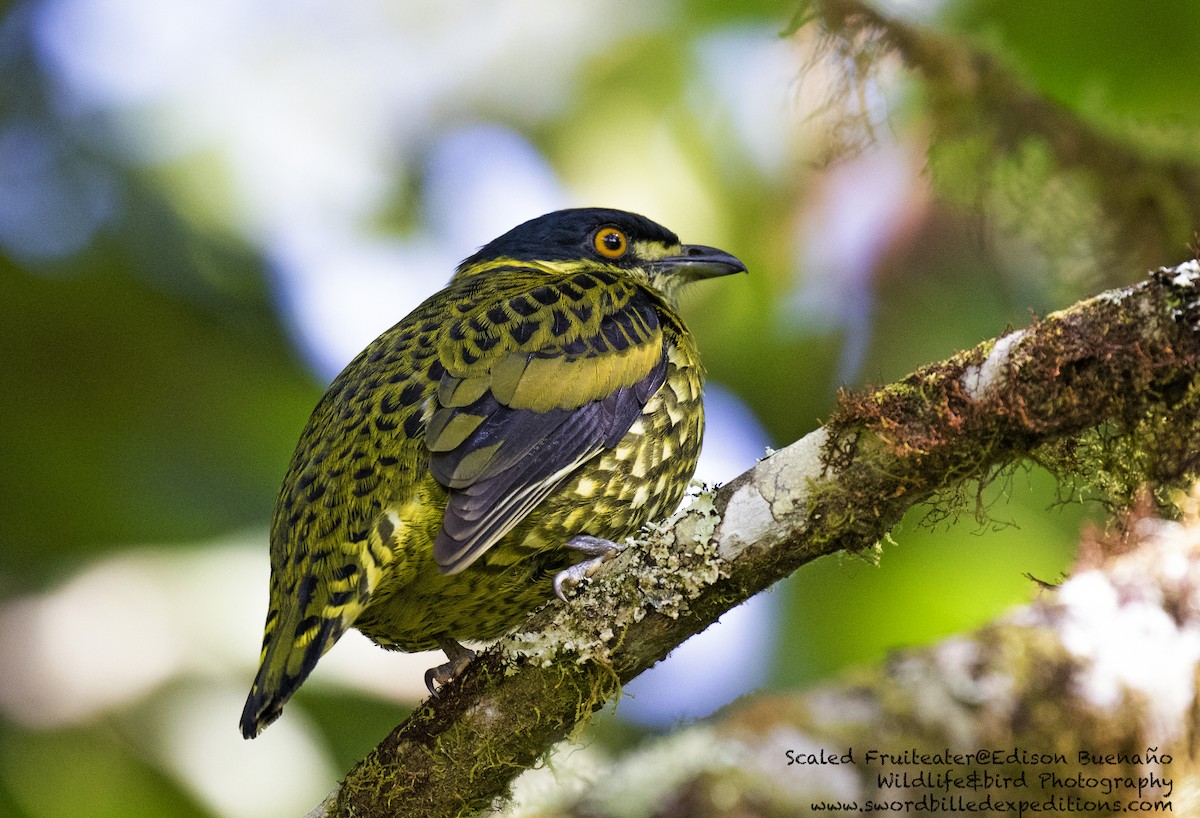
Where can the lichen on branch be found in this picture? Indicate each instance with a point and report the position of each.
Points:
(1085, 695)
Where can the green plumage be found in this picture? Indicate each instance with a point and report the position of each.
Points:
(550, 390)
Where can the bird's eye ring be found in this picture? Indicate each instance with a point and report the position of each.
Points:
(610, 242)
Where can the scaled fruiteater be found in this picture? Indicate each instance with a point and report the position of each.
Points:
(544, 404)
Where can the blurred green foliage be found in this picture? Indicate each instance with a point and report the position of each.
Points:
(925, 587)
(88, 771)
(1137, 63)
(136, 415)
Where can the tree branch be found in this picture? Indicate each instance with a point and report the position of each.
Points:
(1082, 699)
(1126, 362)
(1152, 196)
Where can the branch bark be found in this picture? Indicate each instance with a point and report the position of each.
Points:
(1126, 362)
(1082, 702)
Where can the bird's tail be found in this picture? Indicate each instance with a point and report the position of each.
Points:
(285, 663)
(302, 624)
(308, 615)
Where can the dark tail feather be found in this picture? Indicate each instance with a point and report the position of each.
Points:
(279, 676)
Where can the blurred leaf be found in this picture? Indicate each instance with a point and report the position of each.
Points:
(930, 583)
(135, 417)
(722, 12)
(85, 774)
(936, 300)
(350, 724)
(802, 16)
(1140, 61)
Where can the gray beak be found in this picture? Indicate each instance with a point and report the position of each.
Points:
(697, 262)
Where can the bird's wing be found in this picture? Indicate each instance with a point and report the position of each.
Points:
(536, 383)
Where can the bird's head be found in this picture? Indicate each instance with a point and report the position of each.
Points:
(591, 238)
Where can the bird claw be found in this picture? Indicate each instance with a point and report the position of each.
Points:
(600, 551)
(443, 674)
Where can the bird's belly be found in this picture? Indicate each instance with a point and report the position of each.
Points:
(480, 603)
(643, 478)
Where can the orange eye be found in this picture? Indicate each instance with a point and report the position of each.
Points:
(610, 242)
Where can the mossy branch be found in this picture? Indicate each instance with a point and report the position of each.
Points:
(1126, 363)
(1148, 193)
(1081, 700)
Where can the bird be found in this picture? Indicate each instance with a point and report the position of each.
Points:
(491, 449)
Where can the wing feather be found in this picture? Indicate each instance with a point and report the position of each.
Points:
(561, 384)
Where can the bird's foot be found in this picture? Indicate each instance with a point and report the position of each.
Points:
(441, 675)
(600, 551)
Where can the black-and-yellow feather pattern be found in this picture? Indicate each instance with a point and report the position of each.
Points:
(438, 480)
(537, 382)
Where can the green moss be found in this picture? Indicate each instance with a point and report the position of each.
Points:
(948, 430)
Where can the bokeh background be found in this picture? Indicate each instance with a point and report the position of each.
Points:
(207, 207)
